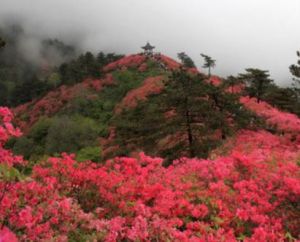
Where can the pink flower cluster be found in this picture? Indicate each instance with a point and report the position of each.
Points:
(169, 62)
(126, 62)
(248, 190)
(6, 131)
(27, 114)
(282, 120)
(151, 85)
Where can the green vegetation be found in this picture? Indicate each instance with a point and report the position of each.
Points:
(86, 65)
(56, 135)
(257, 82)
(24, 78)
(92, 153)
(2, 43)
(189, 112)
(186, 60)
(209, 63)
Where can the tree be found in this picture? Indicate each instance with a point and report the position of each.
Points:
(70, 134)
(257, 82)
(3, 94)
(208, 63)
(28, 90)
(186, 60)
(186, 96)
(145, 127)
(231, 82)
(2, 43)
(86, 65)
(295, 70)
(185, 119)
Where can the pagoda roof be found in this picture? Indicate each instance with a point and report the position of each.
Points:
(148, 47)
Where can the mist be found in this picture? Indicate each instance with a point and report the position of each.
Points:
(238, 34)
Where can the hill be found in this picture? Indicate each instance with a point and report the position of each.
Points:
(247, 188)
(129, 89)
(99, 104)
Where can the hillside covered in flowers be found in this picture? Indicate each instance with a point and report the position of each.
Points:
(246, 189)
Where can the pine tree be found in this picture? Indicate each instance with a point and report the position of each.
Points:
(295, 70)
(257, 82)
(190, 109)
(283, 98)
(209, 63)
(186, 60)
(186, 95)
(2, 43)
(28, 90)
(231, 82)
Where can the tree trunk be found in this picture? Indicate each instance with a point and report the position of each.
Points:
(189, 133)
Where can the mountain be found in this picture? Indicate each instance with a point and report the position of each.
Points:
(247, 188)
(113, 106)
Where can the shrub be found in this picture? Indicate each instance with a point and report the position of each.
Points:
(69, 134)
(89, 153)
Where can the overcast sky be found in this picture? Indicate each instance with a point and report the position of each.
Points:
(237, 33)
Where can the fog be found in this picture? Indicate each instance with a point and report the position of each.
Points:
(238, 34)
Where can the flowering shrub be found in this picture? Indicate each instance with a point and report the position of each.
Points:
(249, 190)
(169, 62)
(282, 120)
(54, 101)
(151, 85)
(127, 61)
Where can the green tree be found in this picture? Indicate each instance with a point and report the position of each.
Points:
(23, 146)
(257, 82)
(54, 80)
(209, 63)
(70, 134)
(28, 90)
(89, 153)
(186, 60)
(232, 81)
(283, 98)
(295, 70)
(2, 43)
(183, 120)
(3, 94)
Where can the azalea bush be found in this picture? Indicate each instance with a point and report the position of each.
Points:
(249, 190)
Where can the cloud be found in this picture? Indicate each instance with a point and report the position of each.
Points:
(238, 34)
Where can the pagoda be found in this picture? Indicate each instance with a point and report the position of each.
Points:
(148, 49)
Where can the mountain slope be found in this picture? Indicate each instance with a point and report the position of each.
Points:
(128, 82)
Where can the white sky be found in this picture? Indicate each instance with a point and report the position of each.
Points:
(237, 33)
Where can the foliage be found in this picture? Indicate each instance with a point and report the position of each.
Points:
(283, 98)
(209, 63)
(2, 43)
(69, 134)
(186, 60)
(295, 70)
(28, 90)
(248, 190)
(85, 66)
(257, 82)
(89, 153)
(184, 116)
(23, 76)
